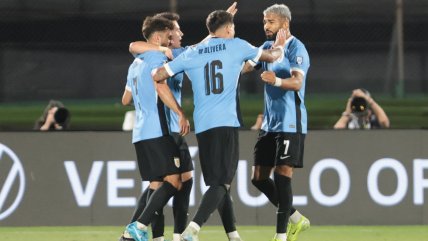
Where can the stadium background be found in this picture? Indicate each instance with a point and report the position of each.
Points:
(78, 49)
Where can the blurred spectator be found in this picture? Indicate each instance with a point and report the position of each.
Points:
(54, 117)
(362, 112)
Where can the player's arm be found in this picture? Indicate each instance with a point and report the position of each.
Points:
(168, 99)
(277, 51)
(248, 67)
(293, 83)
(159, 76)
(126, 97)
(139, 47)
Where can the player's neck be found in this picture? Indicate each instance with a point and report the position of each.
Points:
(221, 34)
(154, 42)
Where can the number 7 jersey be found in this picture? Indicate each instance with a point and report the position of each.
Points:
(213, 68)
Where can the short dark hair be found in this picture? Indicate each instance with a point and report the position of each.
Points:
(155, 24)
(168, 15)
(218, 19)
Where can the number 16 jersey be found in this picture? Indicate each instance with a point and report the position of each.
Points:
(213, 68)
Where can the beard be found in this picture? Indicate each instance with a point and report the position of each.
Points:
(272, 37)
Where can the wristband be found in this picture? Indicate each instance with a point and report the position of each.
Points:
(278, 82)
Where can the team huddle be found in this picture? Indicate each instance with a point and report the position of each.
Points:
(213, 67)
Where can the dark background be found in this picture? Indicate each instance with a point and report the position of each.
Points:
(79, 48)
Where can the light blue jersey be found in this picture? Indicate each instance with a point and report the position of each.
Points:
(213, 68)
(175, 83)
(150, 120)
(285, 110)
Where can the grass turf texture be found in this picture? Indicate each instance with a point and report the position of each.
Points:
(323, 111)
(216, 233)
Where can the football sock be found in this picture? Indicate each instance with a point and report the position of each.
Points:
(281, 236)
(295, 216)
(233, 234)
(157, 201)
(209, 203)
(267, 187)
(158, 224)
(141, 204)
(180, 206)
(285, 198)
(176, 237)
(227, 214)
(293, 210)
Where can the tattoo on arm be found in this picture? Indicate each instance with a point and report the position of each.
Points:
(161, 75)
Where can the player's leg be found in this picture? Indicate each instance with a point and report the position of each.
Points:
(141, 204)
(158, 219)
(181, 205)
(218, 152)
(161, 157)
(181, 198)
(228, 219)
(264, 157)
(261, 180)
(297, 223)
(158, 200)
(282, 178)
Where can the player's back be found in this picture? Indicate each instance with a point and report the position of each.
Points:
(150, 114)
(213, 68)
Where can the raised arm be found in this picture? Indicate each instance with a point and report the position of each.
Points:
(277, 51)
(139, 47)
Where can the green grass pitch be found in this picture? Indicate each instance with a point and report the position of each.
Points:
(216, 233)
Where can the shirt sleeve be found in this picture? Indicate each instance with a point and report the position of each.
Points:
(258, 64)
(299, 59)
(179, 64)
(248, 51)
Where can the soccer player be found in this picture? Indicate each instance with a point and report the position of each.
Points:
(157, 153)
(279, 147)
(181, 198)
(213, 67)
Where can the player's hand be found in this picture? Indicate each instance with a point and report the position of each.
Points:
(268, 77)
(232, 9)
(184, 125)
(281, 37)
(168, 52)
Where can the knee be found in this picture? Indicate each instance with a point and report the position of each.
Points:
(174, 180)
(186, 176)
(284, 171)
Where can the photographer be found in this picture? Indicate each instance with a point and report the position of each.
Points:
(54, 117)
(362, 112)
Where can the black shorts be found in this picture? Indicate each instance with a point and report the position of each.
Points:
(279, 148)
(185, 158)
(157, 158)
(218, 154)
